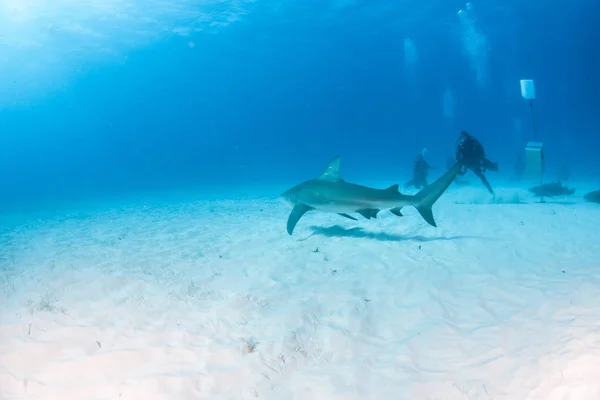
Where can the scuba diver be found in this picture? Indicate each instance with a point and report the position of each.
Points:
(519, 167)
(470, 152)
(420, 172)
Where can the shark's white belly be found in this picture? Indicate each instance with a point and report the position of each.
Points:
(349, 205)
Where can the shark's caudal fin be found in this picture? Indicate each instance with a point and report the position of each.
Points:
(429, 195)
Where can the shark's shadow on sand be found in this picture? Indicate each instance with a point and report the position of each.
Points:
(360, 233)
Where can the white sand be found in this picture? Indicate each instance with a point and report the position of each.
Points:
(164, 301)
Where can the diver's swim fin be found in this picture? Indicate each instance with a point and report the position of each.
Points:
(485, 182)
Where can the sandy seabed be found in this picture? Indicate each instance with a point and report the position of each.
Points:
(213, 300)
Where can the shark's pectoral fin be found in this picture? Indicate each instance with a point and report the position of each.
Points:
(368, 213)
(396, 211)
(348, 216)
(297, 213)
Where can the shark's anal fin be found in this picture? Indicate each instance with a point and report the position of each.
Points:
(396, 211)
(297, 213)
(348, 216)
(368, 213)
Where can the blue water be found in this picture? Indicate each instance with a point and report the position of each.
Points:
(129, 130)
(268, 97)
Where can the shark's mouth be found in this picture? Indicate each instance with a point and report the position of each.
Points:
(286, 201)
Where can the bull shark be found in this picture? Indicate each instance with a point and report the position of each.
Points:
(330, 193)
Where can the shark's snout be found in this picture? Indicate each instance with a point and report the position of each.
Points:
(284, 201)
(286, 198)
(292, 196)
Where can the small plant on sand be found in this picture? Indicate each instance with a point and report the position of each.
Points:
(249, 345)
(46, 303)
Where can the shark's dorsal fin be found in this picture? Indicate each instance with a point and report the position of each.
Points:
(331, 171)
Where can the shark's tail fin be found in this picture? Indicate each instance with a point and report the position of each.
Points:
(429, 195)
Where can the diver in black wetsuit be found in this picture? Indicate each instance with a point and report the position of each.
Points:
(519, 167)
(420, 172)
(470, 152)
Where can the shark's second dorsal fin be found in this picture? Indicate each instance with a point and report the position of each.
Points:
(394, 188)
(331, 171)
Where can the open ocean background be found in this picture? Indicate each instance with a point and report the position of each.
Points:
(117, 97)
